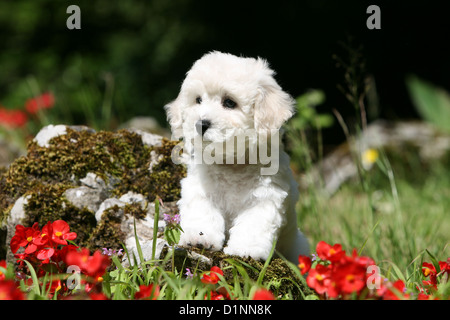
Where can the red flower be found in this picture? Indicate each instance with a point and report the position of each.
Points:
(60, 232)
(25, 237)
(60, 255)
(445, 266)
(3, 265)
(304, 263)
(263, 294)
(45, 254)
(93, 266)
(331, 253)
(9, 291)
(12, 118)
(44, 101)
(394, 292)
(53, 286)
(150, 292)
(45, 235)
(428, 269)
(213, 277)
(362, 260)
(319, 278)
(423, 296)
(347, 278)
(98, 296)
(215, 296)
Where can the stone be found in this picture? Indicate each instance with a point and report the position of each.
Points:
(48, 133)
(85, 197)
(98, 182)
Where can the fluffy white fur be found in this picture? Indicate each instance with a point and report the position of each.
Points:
(234, 206)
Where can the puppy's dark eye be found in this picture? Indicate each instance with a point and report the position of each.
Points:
(229, 104)
(198, 100)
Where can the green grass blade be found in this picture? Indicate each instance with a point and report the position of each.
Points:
(367, 238)
(434, 261)
(34, 277)
(138, 245)
(397, 271)
(266, 264)
(155, 228)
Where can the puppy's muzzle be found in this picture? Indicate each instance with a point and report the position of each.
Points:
(201, 126)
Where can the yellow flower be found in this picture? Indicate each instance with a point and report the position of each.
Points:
(369, 157)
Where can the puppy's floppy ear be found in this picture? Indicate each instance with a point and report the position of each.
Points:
(273, 106)
(173, 111)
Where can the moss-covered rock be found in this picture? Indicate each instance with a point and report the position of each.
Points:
(283, 280)
(68, 172)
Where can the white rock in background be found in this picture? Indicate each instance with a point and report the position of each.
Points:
(149, 139)
(85, 197)
(146, 248)
(107, 204)
(16, 215)
(131, 197)
(93, 181)
(17, 212)
(49, 132)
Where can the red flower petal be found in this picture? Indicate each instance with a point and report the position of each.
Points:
(304, 263)
(263, 294)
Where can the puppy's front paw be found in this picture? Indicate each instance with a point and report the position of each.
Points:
(243, 250)
(208, 239)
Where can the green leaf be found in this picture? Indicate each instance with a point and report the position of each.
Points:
(311, 98)
(434, 261)
(433, 103)
(397, 271)
(138, 245)
(155, 227)
(35, 287)
(172, 236)
(266, 264)
(323, 120)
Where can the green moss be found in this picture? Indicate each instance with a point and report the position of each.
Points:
(107, 233)
(163, 181)
(46, 172)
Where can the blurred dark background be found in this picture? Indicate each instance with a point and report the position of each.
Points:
(130, 57)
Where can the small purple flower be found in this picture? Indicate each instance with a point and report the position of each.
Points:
(313, 257)
(110, 252)
(189, 274)
(176, 218)
(171, 220)
(167, 218)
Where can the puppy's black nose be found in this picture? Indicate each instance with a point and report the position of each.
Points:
(201, 126)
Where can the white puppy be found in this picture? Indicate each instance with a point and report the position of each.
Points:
(229, 113)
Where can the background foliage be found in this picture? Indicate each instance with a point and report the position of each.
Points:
(130, 57)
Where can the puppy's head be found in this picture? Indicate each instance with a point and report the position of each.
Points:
(223, 95)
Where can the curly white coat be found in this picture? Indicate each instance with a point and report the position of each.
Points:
(230, 204)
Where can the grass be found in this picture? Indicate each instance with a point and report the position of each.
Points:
(399, 214)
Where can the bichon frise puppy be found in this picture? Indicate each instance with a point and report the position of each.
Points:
(229, 113)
